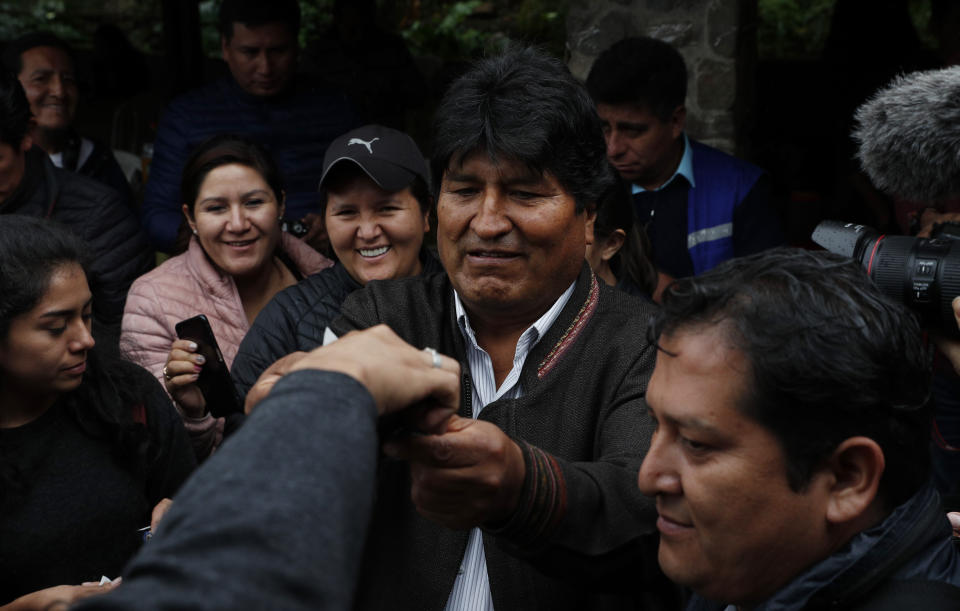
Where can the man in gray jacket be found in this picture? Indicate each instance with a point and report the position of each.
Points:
(528, 500)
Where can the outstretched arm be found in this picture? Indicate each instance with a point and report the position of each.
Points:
(306, 493)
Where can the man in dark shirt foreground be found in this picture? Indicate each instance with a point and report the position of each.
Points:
(790, 464)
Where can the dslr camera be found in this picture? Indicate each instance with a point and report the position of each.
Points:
(922, 273)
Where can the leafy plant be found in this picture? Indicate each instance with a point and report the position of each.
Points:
(793, 28)
(444, 32)
(799, 28)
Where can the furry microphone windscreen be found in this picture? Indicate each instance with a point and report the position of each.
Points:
(909, 136)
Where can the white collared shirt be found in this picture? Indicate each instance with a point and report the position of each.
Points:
(471, 590)
(86, 149)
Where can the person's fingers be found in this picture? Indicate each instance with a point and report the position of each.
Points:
(270, 376)
(94, 590)
(438, 388)
(436, 360)
(159, 510)
(259, 390)
(178, 355)
(72, 594)
(433, 419)
(954, 518)
(178, 381)
(184, 345)
(452, 449)
(284, 364)
(181, 368)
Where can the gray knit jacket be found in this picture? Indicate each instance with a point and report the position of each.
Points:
(583, 535)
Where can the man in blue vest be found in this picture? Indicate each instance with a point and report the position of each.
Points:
(700, 206)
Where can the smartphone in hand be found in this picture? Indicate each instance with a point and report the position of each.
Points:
(214, 382)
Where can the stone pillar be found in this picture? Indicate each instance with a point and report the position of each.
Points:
(717, 39)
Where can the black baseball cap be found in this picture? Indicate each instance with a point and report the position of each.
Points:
(389, 157)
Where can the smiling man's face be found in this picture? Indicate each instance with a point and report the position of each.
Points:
(510, 239)
(731, 528)
(48, 79)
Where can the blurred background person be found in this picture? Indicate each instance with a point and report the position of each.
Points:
(46, 67)
(263, 98)
(619, 253)
(31, 185)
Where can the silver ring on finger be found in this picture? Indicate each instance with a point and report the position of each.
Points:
(166, 374)
(435, 356)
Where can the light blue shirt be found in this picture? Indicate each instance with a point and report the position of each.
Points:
(685, 169)
(471, 590)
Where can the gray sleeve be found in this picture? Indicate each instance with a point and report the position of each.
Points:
(277, 518)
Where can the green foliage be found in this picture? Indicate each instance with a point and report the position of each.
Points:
(793, 28)
(315, 17)
(16, 18)
(75, 22)
(542, 22)
(444, 33)
(444, 28)
(455, 29)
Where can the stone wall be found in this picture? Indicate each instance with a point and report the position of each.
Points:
(717, 39)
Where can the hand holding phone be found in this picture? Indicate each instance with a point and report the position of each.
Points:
(180, 374)
(213, 378)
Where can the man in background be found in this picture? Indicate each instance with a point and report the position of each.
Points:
(262, 99)
(46, 67)
(31, 185)
(699, 205)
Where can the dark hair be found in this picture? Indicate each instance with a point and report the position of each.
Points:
(632, 261)
(13, 52)
(222, 150)
(641, 71)
(253, 13)
(526, 107)
(343, 172)
(31, 250)
(14, 110)
(831, 358)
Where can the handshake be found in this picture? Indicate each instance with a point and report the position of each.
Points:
(396, 374)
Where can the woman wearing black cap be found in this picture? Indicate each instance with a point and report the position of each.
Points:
(376, 206)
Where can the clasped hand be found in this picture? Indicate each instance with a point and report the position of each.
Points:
(470, 474)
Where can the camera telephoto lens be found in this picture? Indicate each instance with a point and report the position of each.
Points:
(922, 273)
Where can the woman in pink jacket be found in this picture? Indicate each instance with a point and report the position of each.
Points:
(237, 260)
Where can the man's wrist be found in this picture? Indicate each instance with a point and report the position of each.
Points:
(541, 502)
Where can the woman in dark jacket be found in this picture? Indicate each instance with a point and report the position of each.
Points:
(88, 448)
(376, 207)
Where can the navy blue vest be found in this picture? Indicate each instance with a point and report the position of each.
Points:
(721, 182)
